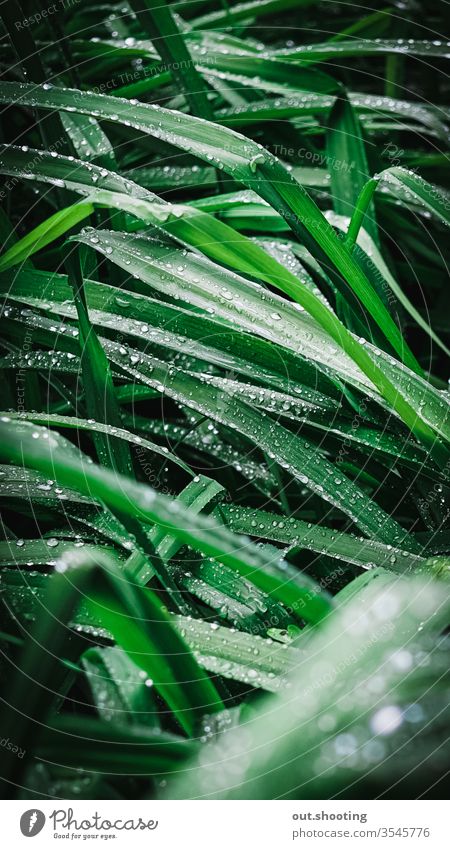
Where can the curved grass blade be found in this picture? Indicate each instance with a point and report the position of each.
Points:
(287, 766)
(247, 162)
(324, 51)
(297, 534)
(432, 197)
(290, 327)
(159, 23)
(98, 383)
(289, 450)
(252, 9)
(118, 687)
(161, 652)
(283, 369)
(73, 422)
(288, 197)
(345, 145)
(44, 234)
(201, 532)
(82, 742)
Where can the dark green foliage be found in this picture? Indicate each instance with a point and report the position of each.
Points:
(225, 439)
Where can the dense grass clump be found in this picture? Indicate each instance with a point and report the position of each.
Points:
(225, 443)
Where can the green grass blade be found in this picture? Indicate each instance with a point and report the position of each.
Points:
(345, 146)
(287, 766)
(159, 23)
(97, 379)
(45, 454)
(159, 651)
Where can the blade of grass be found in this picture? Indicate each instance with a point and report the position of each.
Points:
(46, 454)
(157, 20)
(97, 379)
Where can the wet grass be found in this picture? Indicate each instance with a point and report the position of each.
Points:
(225, 440)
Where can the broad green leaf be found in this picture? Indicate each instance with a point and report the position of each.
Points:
(122, 607)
